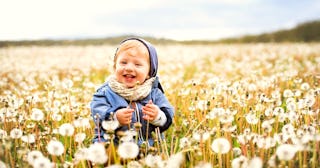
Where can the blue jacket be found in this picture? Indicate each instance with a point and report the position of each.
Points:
(105, 101)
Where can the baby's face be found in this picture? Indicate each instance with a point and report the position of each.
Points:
(132, 66)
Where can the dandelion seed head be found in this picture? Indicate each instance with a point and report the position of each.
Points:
(16, 133)
(175, 160)
(97, 154)
(305, 86)
(226, 118)
(203, 165)
(272, 161)
(55, 147)
(285, 152)
(239, 162)
(82, 123)
(128, 150)
(37, 114)
(66, 129)
(291, 106)
(79, 137)
(255, 162)
(67, 83)
(56, 117)
(293, 116)
(266, 126)
(309, 101)
(3, 165)
(30, 138)
(153, 161)
(134, 164)
(288, 129)
(221, 145)
(282, 117)
(81, 154)
(110, 125)
(184, 142)
(275, 94)
(287, 93)
(42, 162)
(33, 155)
(3, 134)
(251, 118)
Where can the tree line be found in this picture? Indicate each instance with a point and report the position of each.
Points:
(304, 32)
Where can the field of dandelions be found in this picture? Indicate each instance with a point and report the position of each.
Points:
(248, 105)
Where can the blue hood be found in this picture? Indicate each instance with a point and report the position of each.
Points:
(153, 57)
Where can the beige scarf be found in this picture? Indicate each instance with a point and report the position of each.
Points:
(133, 94)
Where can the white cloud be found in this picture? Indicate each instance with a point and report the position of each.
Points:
(181, 19)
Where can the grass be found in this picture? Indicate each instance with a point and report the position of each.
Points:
(260, 98)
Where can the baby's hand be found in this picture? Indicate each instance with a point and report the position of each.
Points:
(150, 111)
(124, 115)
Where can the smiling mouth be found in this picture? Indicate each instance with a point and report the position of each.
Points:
(129, 76)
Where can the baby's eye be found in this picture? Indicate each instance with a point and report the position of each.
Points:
(123, 62)
(138, 64)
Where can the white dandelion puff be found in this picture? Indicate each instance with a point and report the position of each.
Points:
(97, 153)
(175, 160)
(200, 136)
(221, 145)
(30, 138)
(81, 154)
(285, 152)
(291, 106)
(203, 165)
(82, 122)
(79, 137)
(55, 147)
(134, 164)
(67, 83)
(251, 118)
(2, 164)
(15, 133)
(255, 162)
(236, 151)
(56, 117)
(110, 125)
(66, 129)
(3, 134)
(239, 162)
(128, 150)
(287, 93)
(37, 114)
(288, 129)
(305, 86)
(33, 155)
(278, 110)
(42, 162)
(153, 161)
(184, 142)
(309, 101)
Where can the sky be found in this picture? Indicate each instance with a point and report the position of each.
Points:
(172, 19)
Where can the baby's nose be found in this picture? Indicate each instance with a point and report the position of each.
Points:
(129, 67)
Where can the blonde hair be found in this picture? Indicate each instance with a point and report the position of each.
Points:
(131, 44)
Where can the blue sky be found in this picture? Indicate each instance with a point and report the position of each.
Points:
(174, 19)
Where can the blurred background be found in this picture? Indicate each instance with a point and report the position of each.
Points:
(48, 22)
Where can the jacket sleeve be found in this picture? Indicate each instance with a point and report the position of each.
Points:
(161, 101)
(99, 106)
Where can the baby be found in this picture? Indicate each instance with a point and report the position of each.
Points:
(133, 94)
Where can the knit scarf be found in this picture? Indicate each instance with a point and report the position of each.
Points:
(132, 94)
